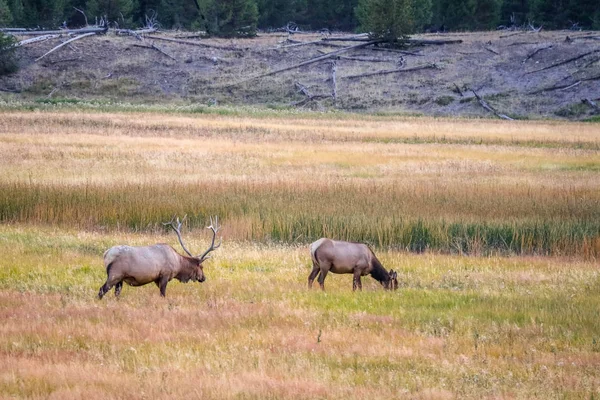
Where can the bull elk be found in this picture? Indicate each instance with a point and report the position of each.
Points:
(160, 263)
(348, 258)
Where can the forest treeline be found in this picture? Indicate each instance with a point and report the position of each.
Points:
(244, 17)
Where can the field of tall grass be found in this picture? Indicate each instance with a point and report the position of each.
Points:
(466, 187)
(494, 228)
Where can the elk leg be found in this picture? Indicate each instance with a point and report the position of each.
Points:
(118, 288)
(356, 281)
(103, 289)
(312, 276)
(110, 282)
(162, 284)
(321, 278)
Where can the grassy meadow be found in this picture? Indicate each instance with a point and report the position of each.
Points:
(494, 228)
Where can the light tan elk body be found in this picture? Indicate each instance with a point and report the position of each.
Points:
(348, 258)
(160, 263)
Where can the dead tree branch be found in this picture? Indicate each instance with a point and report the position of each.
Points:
(333, 82)
(458, 90)
(82, 13)
(564, 62)
(408, 53)
(103, 29)
(392, 71)
(489, 108)
(36, 39)
(308, 62)
(155, 47)
(415, 42)
(422, 42)
(309, 96)
(136, 33)
(533, 53)
(591, 103)
(191, 43)
(364, 59)
(65, 43)
(566, 86)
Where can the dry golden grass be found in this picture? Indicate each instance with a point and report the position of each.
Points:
(299, 177)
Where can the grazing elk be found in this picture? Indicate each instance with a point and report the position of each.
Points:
(160, 263)
(348, 258)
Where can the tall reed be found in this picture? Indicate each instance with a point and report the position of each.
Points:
(417, 218)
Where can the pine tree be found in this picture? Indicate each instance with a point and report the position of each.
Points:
(6, 17)
(8, 61)
(114, 10)
(486, 14)
(231, 18)
(392, 20)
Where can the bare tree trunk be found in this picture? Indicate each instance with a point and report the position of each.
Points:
(65, 43)
(333, 82)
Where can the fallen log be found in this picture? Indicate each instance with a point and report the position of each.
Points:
(565, 86)
(416, 42)
(309, 96)
(391, 71)
(154, 47)
(61, 31)
(36, 39)
(65, 43)
(126, 32)
(533, 53)
(489, 108)
(308, 62)
(409, 53)
(191, 43)
(564, 62)
(420, 42)
(365, 59)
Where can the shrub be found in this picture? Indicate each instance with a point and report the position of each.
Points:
(8, 59)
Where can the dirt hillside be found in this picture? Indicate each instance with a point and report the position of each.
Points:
(518, 74)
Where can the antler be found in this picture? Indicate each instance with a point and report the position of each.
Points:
(214, 226)
(178, 232)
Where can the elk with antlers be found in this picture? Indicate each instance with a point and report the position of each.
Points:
(160, 263)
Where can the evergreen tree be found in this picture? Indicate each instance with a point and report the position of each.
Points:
(231, 18)
(459, 14)
(6, 17)
(391, 20)
(8, 61)
(552, 14)
(114, 10)
(16, 10)
(582, 13)
(277, 13)
(515, 12)
(486, 14)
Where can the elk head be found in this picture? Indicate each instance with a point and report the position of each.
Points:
(393, 280)
(392, 284)
(195, 272)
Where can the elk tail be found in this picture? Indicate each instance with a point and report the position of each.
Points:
(109, 258)
(313, 251)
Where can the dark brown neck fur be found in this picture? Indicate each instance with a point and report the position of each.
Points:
(378, 272)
